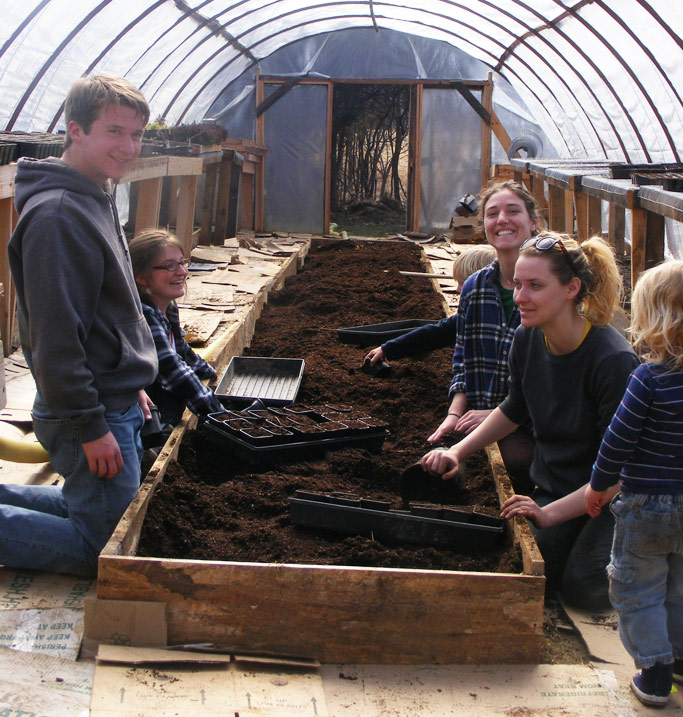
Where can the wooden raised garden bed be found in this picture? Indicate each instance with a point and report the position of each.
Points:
(354, 613)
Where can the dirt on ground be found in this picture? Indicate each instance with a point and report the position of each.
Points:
(214, 506)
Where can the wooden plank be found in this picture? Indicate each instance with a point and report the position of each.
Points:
(339, 614)
(531, 555)
(184, 210)
(569, 222)
(486, 127)
(556, 218)
(7, 300)
(616, 229)
(638, 240)
(594, 219)
(149, 204)
(654, 248)
(210, 187)
(222, 201)
(581, 203)
(7, 175)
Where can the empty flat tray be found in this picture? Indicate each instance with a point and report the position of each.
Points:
(273, 380)
(379, 333)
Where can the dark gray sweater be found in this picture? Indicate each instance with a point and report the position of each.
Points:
(570, 399)
(80, 319)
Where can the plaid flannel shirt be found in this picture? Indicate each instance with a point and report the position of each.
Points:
(180, 369)
(482, 342)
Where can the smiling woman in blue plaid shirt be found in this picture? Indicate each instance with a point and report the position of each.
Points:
(160, 270)
(487, 319)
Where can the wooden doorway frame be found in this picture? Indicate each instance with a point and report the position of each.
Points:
(483, 107)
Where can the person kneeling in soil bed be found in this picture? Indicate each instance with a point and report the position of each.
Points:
(484, 325)
(160, 270)
(568, 372)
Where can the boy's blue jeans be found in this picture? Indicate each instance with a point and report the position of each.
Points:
(646, 576)
(63, 529)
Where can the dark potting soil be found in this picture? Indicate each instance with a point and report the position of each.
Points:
(211, 506)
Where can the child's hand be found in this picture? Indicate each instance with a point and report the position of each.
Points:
(374, 356)
(594, 500)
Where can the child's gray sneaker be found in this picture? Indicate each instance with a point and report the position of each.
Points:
(652, 685)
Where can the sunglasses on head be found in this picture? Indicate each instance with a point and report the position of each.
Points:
(546, 243)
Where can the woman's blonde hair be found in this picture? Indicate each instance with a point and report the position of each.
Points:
(657, 314)
(594, 264)
(146, 246)
(471, 260)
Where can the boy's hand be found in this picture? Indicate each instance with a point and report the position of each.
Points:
(594, 500)
(104, 456)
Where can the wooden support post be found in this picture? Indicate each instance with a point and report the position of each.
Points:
(616, 229)
(149, 204)
(647, 241)
(654, 246)
(184, 210)
(206, 224)
(172, 183)
(638, 240)
(594, 226)
(7, 222)
(222, 199)
(569, 212)
(581, 202)
(556, 219)
(486, 101)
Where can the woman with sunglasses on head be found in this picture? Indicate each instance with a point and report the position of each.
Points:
(568, 372)
(486, 322)
(160, 270)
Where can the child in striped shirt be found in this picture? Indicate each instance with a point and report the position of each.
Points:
(643, 447)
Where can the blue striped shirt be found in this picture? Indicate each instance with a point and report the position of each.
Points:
(482, 341)
(644, 442)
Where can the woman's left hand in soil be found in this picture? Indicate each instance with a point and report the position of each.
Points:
(441, 462)
(526, 507)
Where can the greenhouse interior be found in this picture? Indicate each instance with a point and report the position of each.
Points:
(329, 254)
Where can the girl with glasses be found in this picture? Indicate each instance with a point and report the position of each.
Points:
(160, 270)
(485, 324)
(568, 370)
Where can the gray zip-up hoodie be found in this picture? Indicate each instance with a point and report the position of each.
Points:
(81, 324)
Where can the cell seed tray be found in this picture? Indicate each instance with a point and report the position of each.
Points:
(375, 334)
(273, 380)
(422, 524)
(291, 433)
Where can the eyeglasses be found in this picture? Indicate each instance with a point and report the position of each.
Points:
(173, 265)
(545, 243)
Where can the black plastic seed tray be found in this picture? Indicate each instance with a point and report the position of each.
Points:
(423, 524)
(375, 334)
(261, 437)
(273, 380)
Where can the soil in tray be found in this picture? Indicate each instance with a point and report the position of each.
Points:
(212, 507)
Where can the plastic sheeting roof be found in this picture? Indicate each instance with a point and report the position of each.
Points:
(604, 78)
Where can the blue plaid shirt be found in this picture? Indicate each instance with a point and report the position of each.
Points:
(483, 340)
(180, 369)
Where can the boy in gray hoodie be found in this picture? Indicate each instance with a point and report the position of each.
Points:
(82, 332)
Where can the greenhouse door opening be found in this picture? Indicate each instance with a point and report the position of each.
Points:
(369, 158)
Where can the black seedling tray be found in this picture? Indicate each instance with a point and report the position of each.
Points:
(273, 380)
(423, 524)
(375, 334)
(262, 436)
